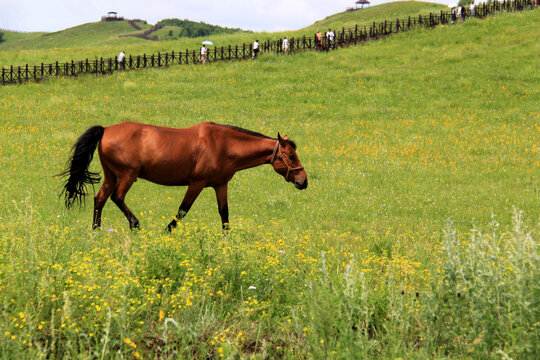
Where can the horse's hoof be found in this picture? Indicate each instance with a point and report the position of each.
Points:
(135, 226)
(171, 226)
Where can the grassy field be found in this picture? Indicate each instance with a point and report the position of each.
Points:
(417, 237)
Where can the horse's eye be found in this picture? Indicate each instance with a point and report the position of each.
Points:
(291, 157)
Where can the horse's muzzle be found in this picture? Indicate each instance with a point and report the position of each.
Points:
(301, 185)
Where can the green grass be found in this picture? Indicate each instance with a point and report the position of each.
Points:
(397, 137)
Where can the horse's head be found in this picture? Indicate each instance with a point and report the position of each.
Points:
(286, 162)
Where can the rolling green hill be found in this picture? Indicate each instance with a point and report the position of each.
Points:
(101, 39)
(378, 13)
(86, 35)
(421, 151)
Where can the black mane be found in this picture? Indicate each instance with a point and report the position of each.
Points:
(289, 141)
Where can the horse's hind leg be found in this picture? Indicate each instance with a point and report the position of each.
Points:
(124, 184)
(109, 183)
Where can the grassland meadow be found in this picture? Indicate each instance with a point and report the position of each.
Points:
(417, 237)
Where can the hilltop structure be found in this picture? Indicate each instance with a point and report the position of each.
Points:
(359, 2)
(112, 16)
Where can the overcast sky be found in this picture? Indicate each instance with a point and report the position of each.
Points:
(257, 15)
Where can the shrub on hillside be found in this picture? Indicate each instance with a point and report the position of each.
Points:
(197, 29)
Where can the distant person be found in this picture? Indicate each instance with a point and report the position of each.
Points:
(122, 60)
(463, 12)
(255, 49)
(472, 8)
(203, 54)
(285, 45)
(318, 39)
(454, 15)
(330, 38)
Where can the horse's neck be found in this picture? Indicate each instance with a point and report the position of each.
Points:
(254, 152)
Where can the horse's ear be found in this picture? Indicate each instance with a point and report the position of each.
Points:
(282, 140)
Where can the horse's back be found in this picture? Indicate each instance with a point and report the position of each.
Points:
(159, 154)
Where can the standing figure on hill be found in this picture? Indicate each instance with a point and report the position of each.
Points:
(285, 45)
(330, 38)
(255, 49)
(454, 17)
(318, 39)
(122, 60)
(203, 54)
(472, 8)
(463, 12)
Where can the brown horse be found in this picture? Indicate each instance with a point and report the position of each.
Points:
(200, 156)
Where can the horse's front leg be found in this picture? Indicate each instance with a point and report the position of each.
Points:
(191, 194)
(223, 207)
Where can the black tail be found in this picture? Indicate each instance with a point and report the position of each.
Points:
(77, 166)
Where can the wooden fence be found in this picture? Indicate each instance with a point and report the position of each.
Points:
(344, 37)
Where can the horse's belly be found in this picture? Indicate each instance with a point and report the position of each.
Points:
(165, 176)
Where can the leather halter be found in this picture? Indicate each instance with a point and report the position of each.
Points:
(275, 155)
